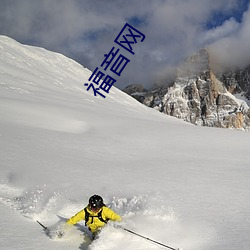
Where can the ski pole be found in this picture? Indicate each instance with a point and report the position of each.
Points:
(146, 238)
(45, 228)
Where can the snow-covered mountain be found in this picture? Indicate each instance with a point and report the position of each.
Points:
(182, 185)
(201, 96)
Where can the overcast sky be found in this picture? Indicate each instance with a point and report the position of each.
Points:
(85, 30)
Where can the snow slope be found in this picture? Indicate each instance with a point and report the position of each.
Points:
(176, 183)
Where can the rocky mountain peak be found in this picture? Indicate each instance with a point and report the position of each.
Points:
(202, 97)
(196, 64)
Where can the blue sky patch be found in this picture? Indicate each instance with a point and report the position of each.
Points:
(137, 21)
(219, 17)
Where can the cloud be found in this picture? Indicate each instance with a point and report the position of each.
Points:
(85, 30)
(228, 28)
(233, 49)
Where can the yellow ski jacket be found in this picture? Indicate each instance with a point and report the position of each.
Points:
(94, 223)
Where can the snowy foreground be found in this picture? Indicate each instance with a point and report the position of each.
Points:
(176, 183)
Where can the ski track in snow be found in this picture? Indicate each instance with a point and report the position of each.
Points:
(43, 117)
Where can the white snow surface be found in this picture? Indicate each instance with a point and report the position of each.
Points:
(182, 185)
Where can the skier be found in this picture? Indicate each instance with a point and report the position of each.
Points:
(95, 214)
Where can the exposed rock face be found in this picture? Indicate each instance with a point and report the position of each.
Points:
(137, 91)
(199, 97)
(237, 81)
(134, 88)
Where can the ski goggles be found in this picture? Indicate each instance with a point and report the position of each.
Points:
(94, 208)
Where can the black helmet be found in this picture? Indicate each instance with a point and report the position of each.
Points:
(96, 202)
